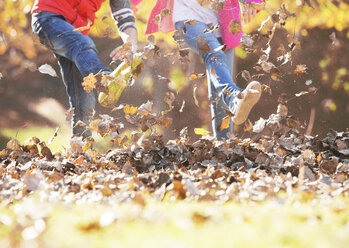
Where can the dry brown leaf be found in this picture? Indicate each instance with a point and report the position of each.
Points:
(169, 98)
(204, 3)
(45, 151)
(228, 112)
(195, 75)
(235, 26)
(300, 69)
(248, 126)
(165, 122)
(202, 45)
(224, 123)
(275, 74)
(165, 12)
(282, 110)
(266, 88)
(13, 145)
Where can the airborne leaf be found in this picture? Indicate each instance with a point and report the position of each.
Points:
(47, 69)
(194, 95)
(235, 27)
(130, 110)
(89, 82)
(224, 123)
(201, 131)
(202, 45)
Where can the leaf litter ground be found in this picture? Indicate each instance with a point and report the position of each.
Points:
(177, 186)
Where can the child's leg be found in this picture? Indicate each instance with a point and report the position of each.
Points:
(217, 107)
(219, 66)
(77, 57)
(83, 102)
(215, 60)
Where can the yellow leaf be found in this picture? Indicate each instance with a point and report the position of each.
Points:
(89, 82)
(190, 22)
(248, 126)
(201, 131)
(130, 110)
(94, 125)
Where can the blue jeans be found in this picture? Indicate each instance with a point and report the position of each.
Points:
(77, 57)
(219, 78)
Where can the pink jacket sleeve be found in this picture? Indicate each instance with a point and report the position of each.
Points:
(231, 11)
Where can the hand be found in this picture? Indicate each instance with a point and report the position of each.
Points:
(122, 52)
(248, 13)
(129, 37)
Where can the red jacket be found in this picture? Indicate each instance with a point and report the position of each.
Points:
(77, 12)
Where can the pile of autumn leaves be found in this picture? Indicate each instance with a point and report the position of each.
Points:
(276, 160)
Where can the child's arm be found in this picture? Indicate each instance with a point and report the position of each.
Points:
(125, 23)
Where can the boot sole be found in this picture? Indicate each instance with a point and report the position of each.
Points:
(252, 93)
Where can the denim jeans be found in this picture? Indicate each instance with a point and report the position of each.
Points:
(77, 57)
(219, 78)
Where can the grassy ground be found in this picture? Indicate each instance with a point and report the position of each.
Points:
(175, 224)
(59, 143)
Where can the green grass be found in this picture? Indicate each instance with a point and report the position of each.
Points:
(45, 133)
(185, 224)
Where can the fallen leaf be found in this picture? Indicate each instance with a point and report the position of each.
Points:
(47, 69)
(89, 82)
(204, 3)
(13, 145)
(195, 76)
(246, 75)
(165, 12)
(248, 126)
(224, 123)
(302, 93)
(300, 69)
(234, 26)
(182, 107)
(194, 95)
(275, 74)
(201, 131)
(130, 110)
(202, 45)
